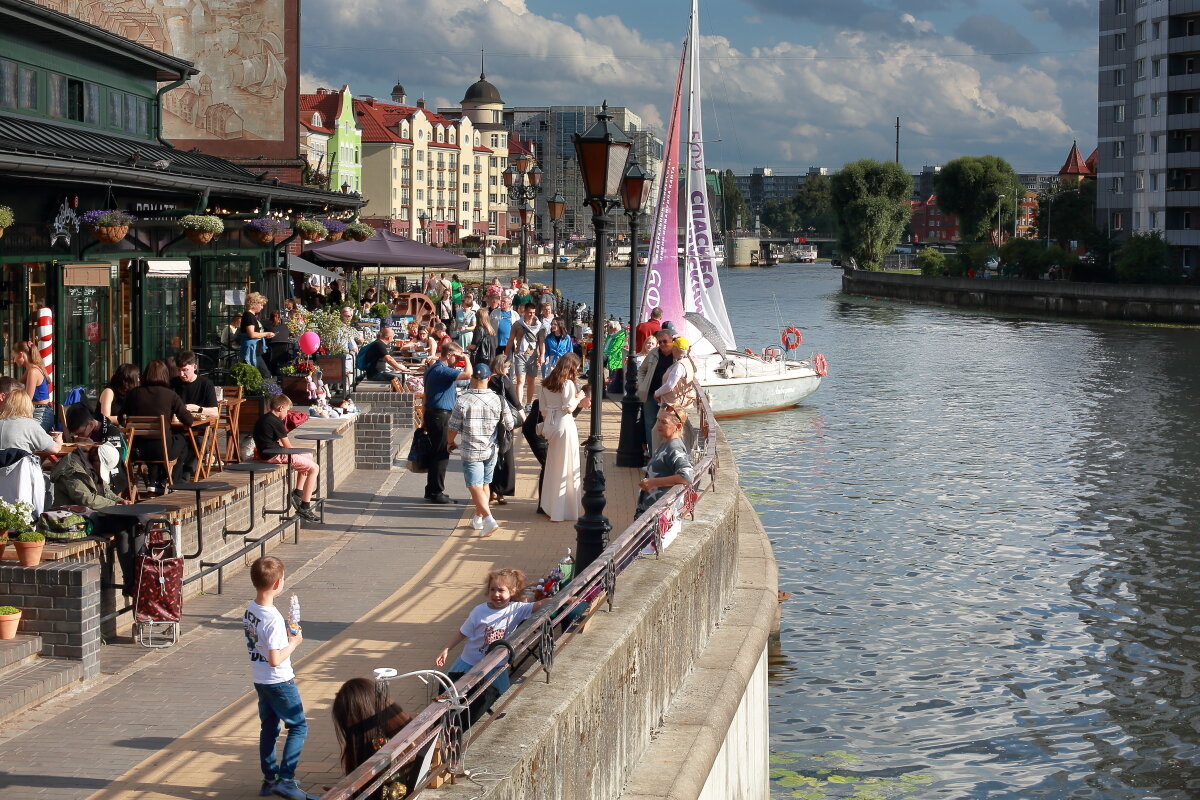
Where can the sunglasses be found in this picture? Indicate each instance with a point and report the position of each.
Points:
(671, 410)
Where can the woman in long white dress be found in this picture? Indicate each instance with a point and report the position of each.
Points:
(558, 396)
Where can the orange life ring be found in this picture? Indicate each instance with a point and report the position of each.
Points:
(820, 365)
(791, 338)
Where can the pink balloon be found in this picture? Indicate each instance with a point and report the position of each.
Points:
(309, 342)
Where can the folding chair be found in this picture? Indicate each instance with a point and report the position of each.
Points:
(229, 421)
(151, 429)
(127, 434)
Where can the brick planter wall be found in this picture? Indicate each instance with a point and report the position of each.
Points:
(60, 601)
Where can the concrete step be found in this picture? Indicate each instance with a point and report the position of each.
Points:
(28, 684)
(17, 651)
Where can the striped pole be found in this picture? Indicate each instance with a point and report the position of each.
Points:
(45, 342)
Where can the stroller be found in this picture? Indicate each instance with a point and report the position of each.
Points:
(158, 599)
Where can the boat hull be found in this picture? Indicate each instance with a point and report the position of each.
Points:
(757, 394)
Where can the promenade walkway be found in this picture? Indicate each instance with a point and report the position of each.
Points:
(385, 582)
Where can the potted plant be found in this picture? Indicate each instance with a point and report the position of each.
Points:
(335, 227)
(109, 226)
(10, 618)
(256, 390)
(16, 517)
(201, 228)
(359, 231)
(310, 230)
(381, 311)
(6, 218)
(29, 548)
(265, 230)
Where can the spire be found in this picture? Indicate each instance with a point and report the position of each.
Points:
(482, 74)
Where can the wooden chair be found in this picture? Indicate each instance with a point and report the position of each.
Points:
(131, 485)
(151, 429)
(229, 423)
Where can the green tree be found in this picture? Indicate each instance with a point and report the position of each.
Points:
(1023, 257)
(1068, 214)
(1145, 258)
(814, 204)
(736, 212)
(780, 217)
(870, 200)
(931, 261)
(970, 187)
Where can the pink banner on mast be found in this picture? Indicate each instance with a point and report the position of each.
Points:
(661, 287)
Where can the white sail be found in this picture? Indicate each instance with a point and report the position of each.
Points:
(702, 288)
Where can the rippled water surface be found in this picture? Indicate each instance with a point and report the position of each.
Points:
(988, 528)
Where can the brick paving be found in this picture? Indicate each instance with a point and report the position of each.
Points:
(385, 582)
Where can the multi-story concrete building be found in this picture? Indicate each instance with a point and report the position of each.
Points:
(548, 130)
(330, 139)
(1148, 122)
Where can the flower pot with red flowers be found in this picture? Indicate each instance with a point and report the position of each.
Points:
(201, 228)
(359, 231)
(310, 230)
(10, 619)
(29, 548)
(265, 230)
(109, 226)
(336, 229)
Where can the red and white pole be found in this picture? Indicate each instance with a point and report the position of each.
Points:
(45, 342)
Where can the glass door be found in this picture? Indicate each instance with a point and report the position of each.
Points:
(165, 318)
(83, 353)
(224, 284)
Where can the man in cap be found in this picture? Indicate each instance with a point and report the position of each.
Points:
(472, 428)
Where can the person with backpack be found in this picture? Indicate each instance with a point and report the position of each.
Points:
(376, 358)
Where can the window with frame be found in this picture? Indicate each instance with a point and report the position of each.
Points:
(1118, 149)
(1155, 106)
(1139, 31)
(1156, 67)
(1139, 181)
(1117, 185)
(8, 83)
(1119, 112)
(1118, 221)
(1118, 77)
(421, 156)
(1140, 66)
(1119, 6)
(1118, 41)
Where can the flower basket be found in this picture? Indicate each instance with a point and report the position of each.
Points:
(265, 230)
(360, 232)
(10, 620)
(261, 237)
(335, 229)
(110, 234)
(334, 236)
(199, 237)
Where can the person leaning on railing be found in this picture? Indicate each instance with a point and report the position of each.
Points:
(670, 464)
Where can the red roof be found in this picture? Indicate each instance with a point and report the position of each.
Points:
(515, 146)
(327, 102)
(1075, 164)
(1092, 161)
(378, 121)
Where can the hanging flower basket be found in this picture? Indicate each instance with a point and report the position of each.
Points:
(310, 230)
(360, 232)
(336, 229)
(108, 226)
(265, 230)
(6, 219)
(201, 228)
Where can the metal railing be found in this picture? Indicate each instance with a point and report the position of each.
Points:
(541, 637)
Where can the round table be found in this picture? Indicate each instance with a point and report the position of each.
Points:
(318, 437)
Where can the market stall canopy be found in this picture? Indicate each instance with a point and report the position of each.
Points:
(297, 264)
(385, 249)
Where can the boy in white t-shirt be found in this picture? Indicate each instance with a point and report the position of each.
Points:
(270, 645)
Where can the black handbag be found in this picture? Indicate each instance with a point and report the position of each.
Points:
(420, 453)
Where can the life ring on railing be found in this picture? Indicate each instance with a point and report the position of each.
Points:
(820, 365)
(791, 338)
(750, 352)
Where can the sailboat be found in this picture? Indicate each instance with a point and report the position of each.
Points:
(737, 381)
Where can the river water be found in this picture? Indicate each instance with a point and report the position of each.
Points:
(988, 527)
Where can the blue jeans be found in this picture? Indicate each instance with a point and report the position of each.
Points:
(44, 416)
(650, 417)
(280, 702)
(502, 681)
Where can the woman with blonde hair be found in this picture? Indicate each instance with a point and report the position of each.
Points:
(253, 335)
(20, 430)
(558, 397)
(37, 383)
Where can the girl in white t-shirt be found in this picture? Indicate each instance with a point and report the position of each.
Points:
(490, 622)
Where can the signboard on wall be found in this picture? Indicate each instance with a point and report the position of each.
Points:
(245, 101)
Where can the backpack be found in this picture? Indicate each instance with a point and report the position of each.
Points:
(64, 524)
(360, 359)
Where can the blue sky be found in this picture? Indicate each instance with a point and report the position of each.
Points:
(787, 83)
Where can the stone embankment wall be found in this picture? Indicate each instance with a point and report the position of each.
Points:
(1178, 304)
(663, 697)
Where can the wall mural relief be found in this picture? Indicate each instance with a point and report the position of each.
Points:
(238, 46)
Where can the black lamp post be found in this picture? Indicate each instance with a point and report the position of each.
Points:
(635, 187)
(556, 205)
(602, 152)
(423, 220)
(523, 182)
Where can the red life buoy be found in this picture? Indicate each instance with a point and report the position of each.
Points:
(820, 365)
(791, 338)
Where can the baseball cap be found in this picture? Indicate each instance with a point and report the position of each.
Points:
(481, 372)
(681, 343)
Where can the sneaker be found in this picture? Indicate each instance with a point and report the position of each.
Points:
(268, 787)
(489, 525)
(294, 498)
(290, 788)
(477, 523)
(306, 511)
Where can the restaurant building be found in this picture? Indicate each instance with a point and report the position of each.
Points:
(81, 129)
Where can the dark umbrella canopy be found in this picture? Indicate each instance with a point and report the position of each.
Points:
(386, 249)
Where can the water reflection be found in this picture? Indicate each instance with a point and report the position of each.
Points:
(987, 526)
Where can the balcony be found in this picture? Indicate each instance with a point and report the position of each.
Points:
(1183, 83)
(1183, 198)
(1183, 160)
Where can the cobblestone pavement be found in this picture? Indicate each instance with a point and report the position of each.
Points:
(385, 582)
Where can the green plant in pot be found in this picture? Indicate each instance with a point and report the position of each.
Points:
(310, 230)
(381, 311)
(6, 218)
(10, 619)
(29, 548)
(248, 377)
(359, 231)
(201, 228)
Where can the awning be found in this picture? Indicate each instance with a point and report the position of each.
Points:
(168, 269)
(297, 264)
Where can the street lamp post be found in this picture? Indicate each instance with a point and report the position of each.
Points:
(635, 187)
(999, 229)
(423, 220)
(602, 152)
(523, 179)
(557, 205)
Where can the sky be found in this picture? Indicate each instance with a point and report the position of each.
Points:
(786, 84)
